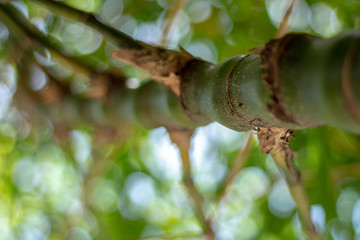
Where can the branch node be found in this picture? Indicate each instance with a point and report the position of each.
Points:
(164, 65)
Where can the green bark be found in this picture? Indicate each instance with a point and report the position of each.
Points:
(298, 81)
(236, 93)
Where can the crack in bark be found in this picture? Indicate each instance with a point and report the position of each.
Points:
(270, 57)
(233, 111)
(349, 97)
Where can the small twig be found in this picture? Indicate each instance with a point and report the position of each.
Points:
(170, 20)
(239, 163)
(284, 25)
(182, 139)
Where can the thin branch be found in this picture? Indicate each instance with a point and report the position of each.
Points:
(164, 65)
(182, 139)
(23, 29)
(284, 25)
(276, 141)
(297, 190)
(239, 163)
(112, 34)
(171, 18)
(102, 81)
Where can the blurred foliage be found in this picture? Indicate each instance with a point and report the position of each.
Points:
(59, 181)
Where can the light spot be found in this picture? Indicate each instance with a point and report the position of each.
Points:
(4, 34)
(140, 189)
(81, 38)
(203, 48)
(77, 233)
(22, 7)
(24, 175)
(111, 10)
(85, 5)
(324, 20)
(81, 143)
(38, 79)
(280, 202)
(8, 85)
(132, 83)
(230, 229)
(149, 32)
(199, 11)
(253, 182)
(44, 58)
(28, 232)
(345, 204)
(164, 162)
(356, 217)
(7, 138)
(298, 19)
(104, 195)
(318, 217)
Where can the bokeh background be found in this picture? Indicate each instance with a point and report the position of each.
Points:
(93, 177)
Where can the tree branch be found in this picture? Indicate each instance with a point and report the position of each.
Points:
(239, 163)
(182, 139)
(29, 38)
(284, 25)
(119, 38)
(164, 65)
(22, 29)
(171, 18)
(293, 179)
